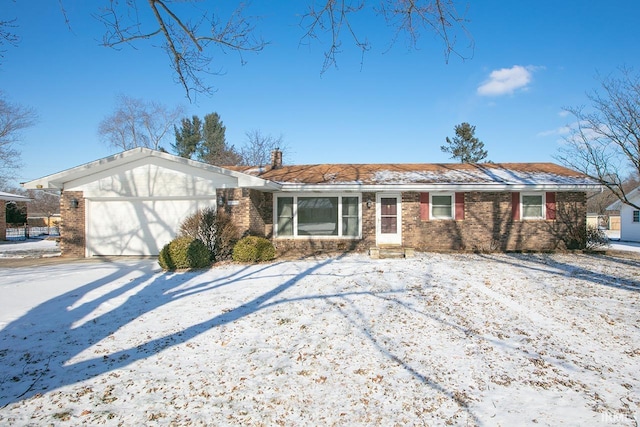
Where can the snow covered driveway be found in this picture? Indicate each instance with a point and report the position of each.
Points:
(462, 339)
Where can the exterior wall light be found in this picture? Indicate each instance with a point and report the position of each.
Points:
(369, 204)
(220, 201)
(75, 203)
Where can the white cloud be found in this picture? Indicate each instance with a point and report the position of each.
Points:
(561, 131)
(576, 133)
(506, 81)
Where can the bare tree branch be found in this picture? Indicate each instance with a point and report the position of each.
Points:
(13, 119)
(189, 36)
(138, 123)
(409, 17)
(331, 18)
(258, 147)
(185, 41)
(7, 35)
(604, 142)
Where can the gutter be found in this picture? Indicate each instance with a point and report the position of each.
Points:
(314, 188)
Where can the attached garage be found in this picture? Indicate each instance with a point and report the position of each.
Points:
(136, 227)
(133, 203)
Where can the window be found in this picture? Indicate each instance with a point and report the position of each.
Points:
(532, 206)
(442, 206)
(350, 216)
(636, 216)
(285, 216)
(318, 216)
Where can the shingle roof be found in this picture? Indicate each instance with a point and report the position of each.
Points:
(432, 173)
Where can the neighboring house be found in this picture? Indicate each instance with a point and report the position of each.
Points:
(609, 221)
(4, 198)
(132, 204)
(629, 216)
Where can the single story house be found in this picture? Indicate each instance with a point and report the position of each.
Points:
(4, 198)
(132, 204)
(629, 216)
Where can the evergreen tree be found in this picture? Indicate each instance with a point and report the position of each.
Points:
(188, 137)
(205, 141)
(465, 146)
(214, 149)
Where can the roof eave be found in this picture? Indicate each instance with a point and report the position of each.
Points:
(8, 197)
(58, 180)
(351, 187)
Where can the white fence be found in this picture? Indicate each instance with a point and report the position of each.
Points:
(26, 232)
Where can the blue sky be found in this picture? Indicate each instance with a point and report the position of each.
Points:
(531, 59)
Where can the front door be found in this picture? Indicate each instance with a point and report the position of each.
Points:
(388, 219)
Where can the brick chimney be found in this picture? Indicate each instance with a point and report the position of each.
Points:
(276, 159)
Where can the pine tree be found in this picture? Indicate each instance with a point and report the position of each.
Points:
(205, 141)
(465, 146)
(188, 137)
(214, 149)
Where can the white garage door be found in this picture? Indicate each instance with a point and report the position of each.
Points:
(135, 227)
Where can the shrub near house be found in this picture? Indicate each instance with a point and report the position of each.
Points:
(184, 252)
(253, 249)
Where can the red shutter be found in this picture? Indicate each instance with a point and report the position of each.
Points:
(551, 205)
(424, 206)
(515, 206)
(459, 205)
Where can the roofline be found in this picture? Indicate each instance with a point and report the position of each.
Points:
(289, 187)
(8, 197)
(58, 180)
(618, 204)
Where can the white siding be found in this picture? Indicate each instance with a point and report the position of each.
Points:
(629, 230)
(150, 177)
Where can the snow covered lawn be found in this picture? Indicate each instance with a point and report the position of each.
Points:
(499, 339)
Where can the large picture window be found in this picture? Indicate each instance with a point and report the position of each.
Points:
(305, 216)
(317, 216)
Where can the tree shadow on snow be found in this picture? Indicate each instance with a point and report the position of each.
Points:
(544, 262)
(67, 320)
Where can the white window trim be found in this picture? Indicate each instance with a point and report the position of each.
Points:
(544, 206)
(453, 206)
(295, 216)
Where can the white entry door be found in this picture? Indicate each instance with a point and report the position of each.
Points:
(388, 219)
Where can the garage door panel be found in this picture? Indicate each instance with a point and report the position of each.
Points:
(135, 227)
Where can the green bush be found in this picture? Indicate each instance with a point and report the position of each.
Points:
(253, 249)
(184, 252)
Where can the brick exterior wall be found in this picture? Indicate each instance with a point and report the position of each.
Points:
(72, 227)
(3, 220)
(489, 225)
(250, 210)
